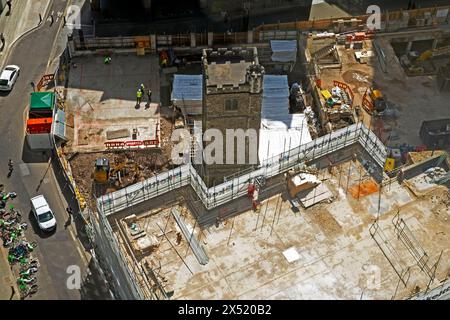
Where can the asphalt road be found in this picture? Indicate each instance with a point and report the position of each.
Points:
(34, 174)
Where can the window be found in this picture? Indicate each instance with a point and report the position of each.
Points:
(231, 105)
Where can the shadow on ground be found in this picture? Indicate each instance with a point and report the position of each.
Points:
(30, 156)
(93, 287)
(72, 203)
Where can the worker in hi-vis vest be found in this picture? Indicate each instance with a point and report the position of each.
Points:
(138, 97)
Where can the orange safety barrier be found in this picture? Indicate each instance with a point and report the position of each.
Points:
(114, 144)
(151, 142)
(345, 87)
(131, 143)
(363, 189)
(45, 80)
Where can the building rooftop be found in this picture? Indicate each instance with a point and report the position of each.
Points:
(232, 70)
(227, 73)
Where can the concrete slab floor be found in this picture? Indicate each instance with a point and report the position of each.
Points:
(102, 98)
(337, 257)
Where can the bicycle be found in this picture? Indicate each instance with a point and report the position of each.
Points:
(28, 271)
(29, 262)
(27, 291)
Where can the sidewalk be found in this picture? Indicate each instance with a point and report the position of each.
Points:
(23, 18)
(6, 278)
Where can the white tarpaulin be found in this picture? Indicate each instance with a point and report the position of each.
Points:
(284, 50)
(280, 130)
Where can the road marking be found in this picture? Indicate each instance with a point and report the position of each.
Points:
(24, 169)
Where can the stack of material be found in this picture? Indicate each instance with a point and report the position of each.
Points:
(145, 245)
(141, 243)
(416, 157)
(300, 182)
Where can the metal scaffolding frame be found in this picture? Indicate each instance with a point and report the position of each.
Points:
(220, 194)
(406, 236)
(400, 267)
(123, 277)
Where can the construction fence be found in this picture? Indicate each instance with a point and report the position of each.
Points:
(237, 187)
(119, 274)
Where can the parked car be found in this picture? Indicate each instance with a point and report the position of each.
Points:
(43, 214)
(9, 77)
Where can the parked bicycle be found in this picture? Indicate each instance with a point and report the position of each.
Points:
(28, 271)
(29, 262)
(26, 280)
(27, 290)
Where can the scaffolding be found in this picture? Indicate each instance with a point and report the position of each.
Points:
(123, 276)
(400, 267)
(414, 247)
(220, 194)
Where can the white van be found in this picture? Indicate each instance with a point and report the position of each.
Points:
(43, 214)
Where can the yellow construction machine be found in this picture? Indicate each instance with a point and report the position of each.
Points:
(103, 173)
(373, 100)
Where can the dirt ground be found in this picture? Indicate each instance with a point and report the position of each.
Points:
(414, 99)
(140, 164)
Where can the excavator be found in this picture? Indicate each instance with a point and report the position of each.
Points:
(105, 174)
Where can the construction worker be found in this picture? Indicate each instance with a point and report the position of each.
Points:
(139, 97)
(142, 87)
(10, 167)
(149, 97)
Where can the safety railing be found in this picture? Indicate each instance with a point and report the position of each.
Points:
(229, 190)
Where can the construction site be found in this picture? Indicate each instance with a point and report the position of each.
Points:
(347, 199)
